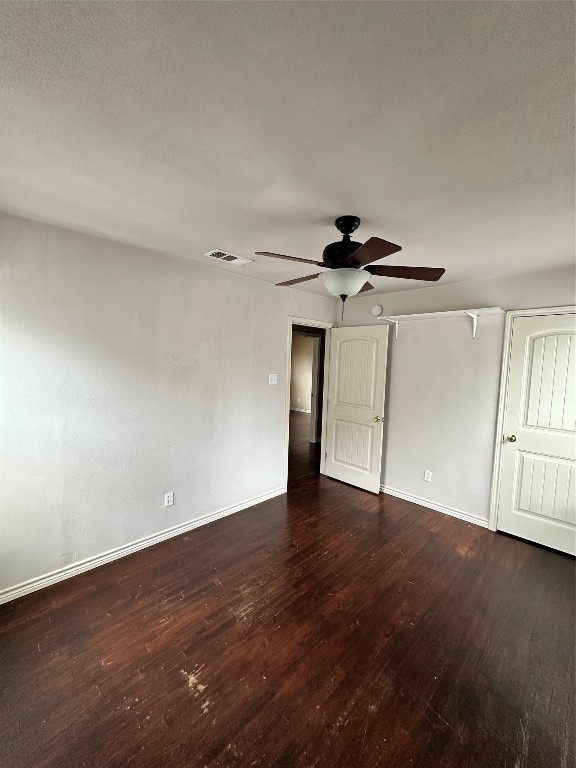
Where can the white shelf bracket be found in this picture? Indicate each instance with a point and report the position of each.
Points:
(391, 320)
(474, 317)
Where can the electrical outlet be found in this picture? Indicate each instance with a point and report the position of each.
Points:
(169, 499)
(428, 475)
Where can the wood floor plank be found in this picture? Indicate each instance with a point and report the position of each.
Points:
(327, 628)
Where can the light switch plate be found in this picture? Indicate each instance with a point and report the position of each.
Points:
(272, 378)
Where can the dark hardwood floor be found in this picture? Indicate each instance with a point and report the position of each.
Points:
(303, 456)
(325, 628)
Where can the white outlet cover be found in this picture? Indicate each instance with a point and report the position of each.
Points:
(169, 499)
(272, 378)
(427, 475)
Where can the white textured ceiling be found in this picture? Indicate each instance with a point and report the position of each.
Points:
(182, 127)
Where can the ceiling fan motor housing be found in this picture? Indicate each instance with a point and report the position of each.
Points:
(336, 255)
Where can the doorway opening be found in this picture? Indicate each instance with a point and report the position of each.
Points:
(306, 391)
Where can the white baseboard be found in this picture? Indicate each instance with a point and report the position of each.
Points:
(40, 582)
(301, 410)
(436, 507)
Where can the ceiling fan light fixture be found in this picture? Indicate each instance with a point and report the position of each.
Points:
(344, 282)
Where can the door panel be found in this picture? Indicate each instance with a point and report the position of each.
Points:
(537, 492)
(353, 445)
(355, 383)
(550, 392)
(355, 410)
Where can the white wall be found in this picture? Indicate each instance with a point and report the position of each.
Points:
(126, 374)
(301, 373)
(441, 413)
(443, 386)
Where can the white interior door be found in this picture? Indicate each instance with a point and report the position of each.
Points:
(355, 405)
(537, 485)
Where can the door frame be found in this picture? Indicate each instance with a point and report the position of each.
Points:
(510, 316)
(318, 337)
(316, 411)
(293, 320)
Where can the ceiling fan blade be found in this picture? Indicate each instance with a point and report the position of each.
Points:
(299, 279)
(290, 258)
(373, 249)
(408, 273)
(367, 287)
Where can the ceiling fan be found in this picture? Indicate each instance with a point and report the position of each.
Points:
(349, 263)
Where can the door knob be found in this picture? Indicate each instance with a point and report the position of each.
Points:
(377, 418)
(511, 438)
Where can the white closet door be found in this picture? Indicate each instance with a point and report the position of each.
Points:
(537, 485)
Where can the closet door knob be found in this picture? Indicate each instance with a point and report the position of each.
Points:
(377, 418)
(511, 438)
